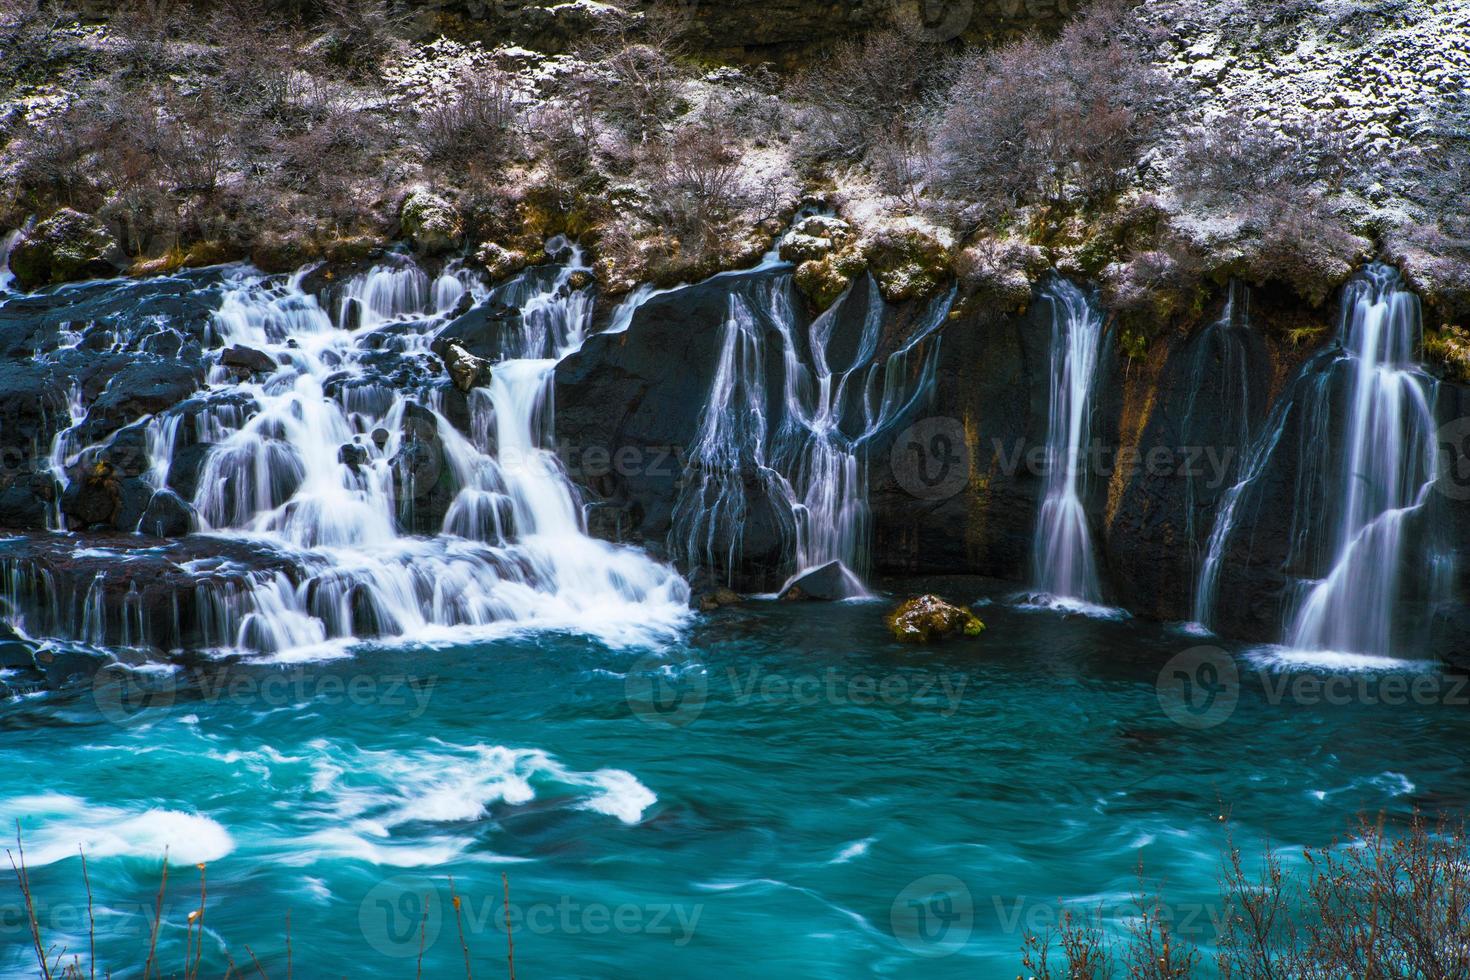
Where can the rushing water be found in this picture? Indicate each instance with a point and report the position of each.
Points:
(803, 459)
(759, 798)
(328, 459)
(458, 693)
(1386, 471)
(1064, 566)
(1221, 363)
(1358, 418)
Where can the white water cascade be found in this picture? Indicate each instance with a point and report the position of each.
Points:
(1386, 471)
(1221, 362)
(1062, 559)
(336, 460)
(809, 463)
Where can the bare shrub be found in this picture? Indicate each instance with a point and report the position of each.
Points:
(636, 79)
(565, 138)
(1233, 160)
(863, 91)
(694, 183)
(144, 29)
(258, 59)
(482, 120)
(1049, 122)
(33, 37)
(1085, 952)
(362, 33)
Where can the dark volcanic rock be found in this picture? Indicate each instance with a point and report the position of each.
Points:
(123, 590)
(466, 371)
(144, 386)
(423, 480)
(168, 516)
(828, 583)
(248, 360)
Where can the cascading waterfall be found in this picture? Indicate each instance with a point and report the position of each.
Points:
(335, 454)
(1386, 471)
(7, 242)
(1221, 362)
(1062, 559)
(808, 463)
(1366, 466)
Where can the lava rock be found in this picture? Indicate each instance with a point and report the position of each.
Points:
(828, 583)
(127, 451)
(24, 504)
(186, 468)
(168, 516)
(352, 455)
(248, 360)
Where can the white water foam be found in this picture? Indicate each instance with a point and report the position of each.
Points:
(55, 825)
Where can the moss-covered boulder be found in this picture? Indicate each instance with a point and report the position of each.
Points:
(907, 263)
(431, 223)
(928, 617)
(824, 280)
(65, 247)
(501, 263)
(814, 238)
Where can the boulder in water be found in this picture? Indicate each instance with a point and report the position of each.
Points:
(827, 583)
(25, 502)
(248, 360)
(168, 516)
(928, 617)
(465, 369)
(103, 497)
(501, 263)
(718, 598)
(65, 247)
(353, 455)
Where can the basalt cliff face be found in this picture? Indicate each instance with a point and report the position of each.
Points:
(955, 481)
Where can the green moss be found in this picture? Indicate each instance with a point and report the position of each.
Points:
(1449, 349)
(1134, 343)
(928, 617)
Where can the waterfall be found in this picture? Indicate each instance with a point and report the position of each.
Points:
(7, 242)
(1386, 470)
(790, 461)
(1358, 417)
(398, 526)
(1221, 362)
(1062, 557)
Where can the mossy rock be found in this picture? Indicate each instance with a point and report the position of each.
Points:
(928, 617)
(908, 264)
(501, 263)
(431, 223)
(66, 247)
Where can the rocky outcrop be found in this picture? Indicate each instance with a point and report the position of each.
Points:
(431, 223)
(928, 618)
(65, 247)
